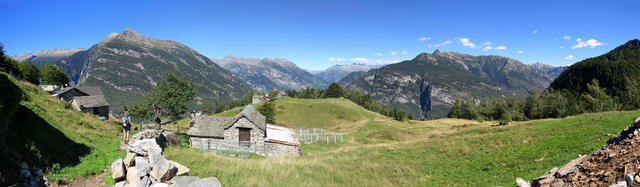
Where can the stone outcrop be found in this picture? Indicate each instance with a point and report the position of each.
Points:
(144, 165)
(616, 164)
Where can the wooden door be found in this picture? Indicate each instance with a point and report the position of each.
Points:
(244, 135)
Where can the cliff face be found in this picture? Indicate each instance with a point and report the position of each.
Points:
(427, 85)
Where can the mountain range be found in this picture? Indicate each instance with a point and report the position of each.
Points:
(549, 69)
(428, 84)
(266, 74)
(337, 72)
(127, 64)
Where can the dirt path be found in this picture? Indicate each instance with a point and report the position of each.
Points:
(93, 180)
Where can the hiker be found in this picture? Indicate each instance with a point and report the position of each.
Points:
(126, 126)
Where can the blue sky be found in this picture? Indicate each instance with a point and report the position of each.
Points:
(318, 34)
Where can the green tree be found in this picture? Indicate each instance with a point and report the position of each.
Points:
(456, 109)
(52, 75)
(268, 110)
(29, 72)
(533, 105)
(597, 99)
(335, 90)
(168, 99)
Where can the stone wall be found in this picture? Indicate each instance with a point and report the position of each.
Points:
(196, 142)
(103, 111)
(257, 135)
(274, 149)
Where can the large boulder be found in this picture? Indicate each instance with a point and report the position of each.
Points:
(184, 180)
(142, 166)
(129, 159)
(120, 184)
(133, 179)
(117, 170)
(161, 168)
(145, 181)
(182, 170)
(161, 185)
(207, 182)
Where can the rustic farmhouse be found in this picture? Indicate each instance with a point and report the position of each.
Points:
(247, 129)
(96, 105)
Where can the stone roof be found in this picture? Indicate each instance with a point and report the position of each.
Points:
(90, 90)
(211, 126)
(252, 115)
(91, 101)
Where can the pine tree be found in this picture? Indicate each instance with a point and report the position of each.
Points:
(268, 110)
(335, 90)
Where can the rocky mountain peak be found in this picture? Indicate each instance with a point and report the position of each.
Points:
(436, 52)
(133, 36)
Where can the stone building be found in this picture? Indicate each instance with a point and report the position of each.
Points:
(247, 129)
(96, 105)
(67, 94)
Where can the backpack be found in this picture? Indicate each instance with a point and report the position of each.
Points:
(125, 122)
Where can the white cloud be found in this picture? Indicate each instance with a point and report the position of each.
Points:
(442, 44)
(404, 52)
(487, 43)
(377, 54)
(360, 59)
(424, 39)
(429, 46)
(394, 53)
(520, 52)
(331, 59)
(500, 48)
(592, 43)
(566, 37)
(535, 32)
(487, 48)
(467, 43)
(568, 57)
(561, 47)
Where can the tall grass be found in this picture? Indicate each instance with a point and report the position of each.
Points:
(383, 152)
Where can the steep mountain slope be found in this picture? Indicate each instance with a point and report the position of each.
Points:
(337, 72)
(431, 82)
(126, 65)
(351, 77)
(549, 69)
(613, 70)
(266, 74)
(44, 56)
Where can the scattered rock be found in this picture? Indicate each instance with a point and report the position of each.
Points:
(619, 184)
(129, 159)
(117, 170)
(629, 178)
(522, 183)
(182, 170)
(119, 184)
(145, 181)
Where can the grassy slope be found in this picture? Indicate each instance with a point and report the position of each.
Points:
(380, 151)
(44, 133)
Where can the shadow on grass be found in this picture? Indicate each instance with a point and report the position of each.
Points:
(41, 145)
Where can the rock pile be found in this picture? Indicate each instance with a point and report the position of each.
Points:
(616, 164)
(144, 165)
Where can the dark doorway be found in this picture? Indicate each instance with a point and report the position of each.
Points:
(95, 110)
(244, 136)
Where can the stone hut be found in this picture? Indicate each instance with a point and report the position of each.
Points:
(67, 94)
(247, 129)
(96, 105)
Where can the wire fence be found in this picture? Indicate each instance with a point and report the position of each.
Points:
(239, 149)
(317, 135)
